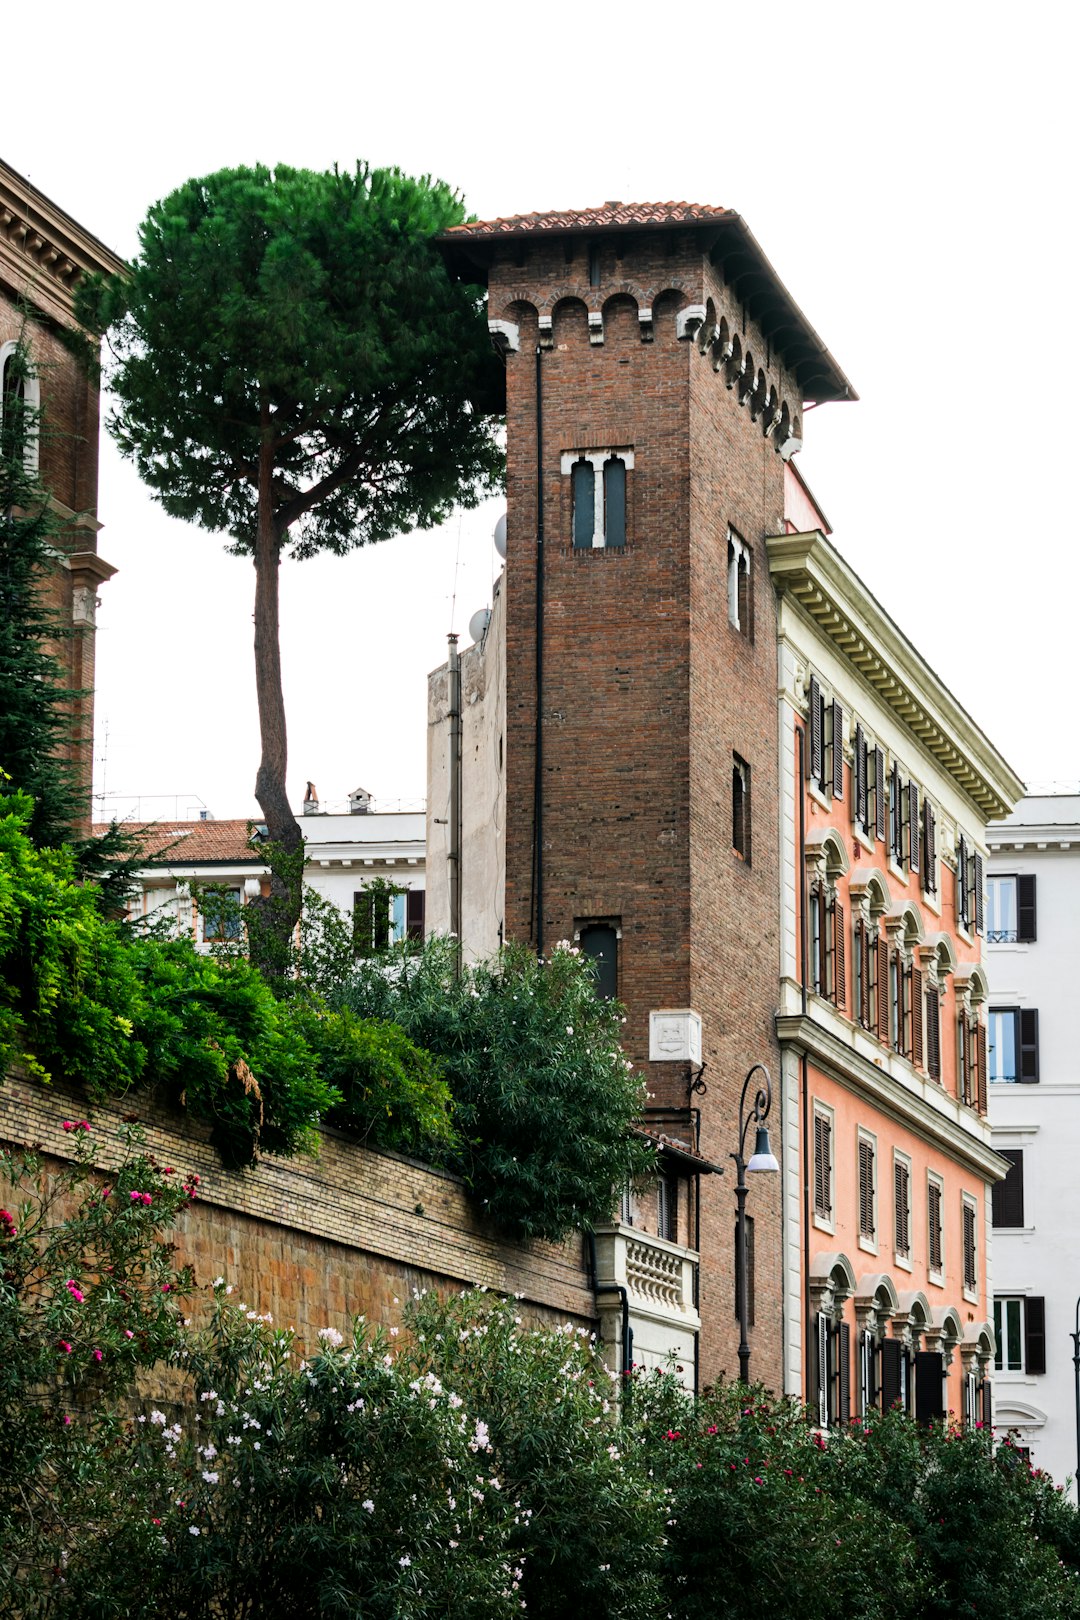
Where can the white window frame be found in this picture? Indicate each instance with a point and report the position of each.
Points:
(903, 1260)
(738, 554)
(869, 1243)
(825, 1222)
(598, 459)
(933, 1179)
(968, 1201)
(1001, 1338)
(33, 403)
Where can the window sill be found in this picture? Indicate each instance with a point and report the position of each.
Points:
(868, 1245)
(903, 1261)
(936, 1279)
(896, 870)
(864, 840)
(932, 902)
(824, 1223)
(971, 1296)
(818, 797)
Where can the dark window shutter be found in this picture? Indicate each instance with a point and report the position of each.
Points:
(962, 907)
(896, 816)
(982, 1065)
(1034, 1334)
(583, 486)
(980, 901)
(858, 766)
(913, 826)
(917, 1004)
(615, 501)
(891, 1352)
(837, 750)
(970, 1273)
(986, 1402)
(933, 1209)
(843, 1357)
(879, 792)
(414, 914)
(1029, 1045)
(1025, 910)
(932, 1019)
(817, 741)
(929, 848)
(1008, 1195)
(839, 986)
(929, 1386)
(866, 1188)
(822, 1335)
(822, 1168)
(902, 1200)
(883, 989)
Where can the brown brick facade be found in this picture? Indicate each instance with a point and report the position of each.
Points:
(648, 689)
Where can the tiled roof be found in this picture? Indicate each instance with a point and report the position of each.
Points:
(193, 843)
(609, 216)
(694, 1161)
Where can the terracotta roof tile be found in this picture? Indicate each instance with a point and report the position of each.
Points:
(193, 842)
(609, 216)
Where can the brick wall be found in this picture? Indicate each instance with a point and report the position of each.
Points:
(648, 690)
(319, 1242)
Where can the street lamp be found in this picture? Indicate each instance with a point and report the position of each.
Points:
(1075, 1337)
(760, 1160)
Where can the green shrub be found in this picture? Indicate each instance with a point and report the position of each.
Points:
(392, 1092)
(544, 1099)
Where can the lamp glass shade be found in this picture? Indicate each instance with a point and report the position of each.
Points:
(762, 1157)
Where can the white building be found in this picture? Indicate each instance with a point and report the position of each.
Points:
(345, 854)
(1033, 945)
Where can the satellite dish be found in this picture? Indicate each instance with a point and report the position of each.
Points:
(499, 536)
(479, 622)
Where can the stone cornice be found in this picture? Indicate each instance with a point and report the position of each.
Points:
(806, 568)
(936, 1117)
(44, 253)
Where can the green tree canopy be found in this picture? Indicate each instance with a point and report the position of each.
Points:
(295, 367)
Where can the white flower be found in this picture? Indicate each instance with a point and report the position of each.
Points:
(404, 1560)
(368, 1505)
(258, 1445)
(332, 1337)
(157, 1417)
(210, 1477)
(193, 1530)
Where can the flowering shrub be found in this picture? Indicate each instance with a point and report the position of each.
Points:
(89, 1299)
(544, 1100)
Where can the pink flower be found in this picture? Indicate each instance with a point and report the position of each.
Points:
(67, 1420)
(135, 1197)
(105, 1194)
(97, 1355)
(165, 1287)
(128, 1333)
(65, 1347)
(74, 1290)
(68, 1124)
(146, 1198)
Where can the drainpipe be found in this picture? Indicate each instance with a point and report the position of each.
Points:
(455, 801)
(804, 1076)
(538, 747)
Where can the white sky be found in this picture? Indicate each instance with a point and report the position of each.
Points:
(911, 172)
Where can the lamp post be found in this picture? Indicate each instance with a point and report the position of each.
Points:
(760, 1160)
(1075, 1337)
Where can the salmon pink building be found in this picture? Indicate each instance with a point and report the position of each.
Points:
(886, 787)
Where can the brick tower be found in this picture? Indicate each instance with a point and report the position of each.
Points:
(656, 374)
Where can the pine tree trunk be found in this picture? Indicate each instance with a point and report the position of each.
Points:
(277, 919)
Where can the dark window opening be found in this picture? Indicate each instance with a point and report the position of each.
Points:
(599, 941)
(583, 488)
(740, 807)
(1008, 1195)
(615, 501)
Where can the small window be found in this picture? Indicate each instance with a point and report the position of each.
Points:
(902, 1206)
(823, 1174)
(599, 941)
(1020, 1331)
(867, 1188)
(971, 1268)
(598, 493)
(1010, 910)
(1008, 1195)
(20, 403)
(1013, 1052)
(935, 1195)
(740, 595)
(220, 911)
(740, 807)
